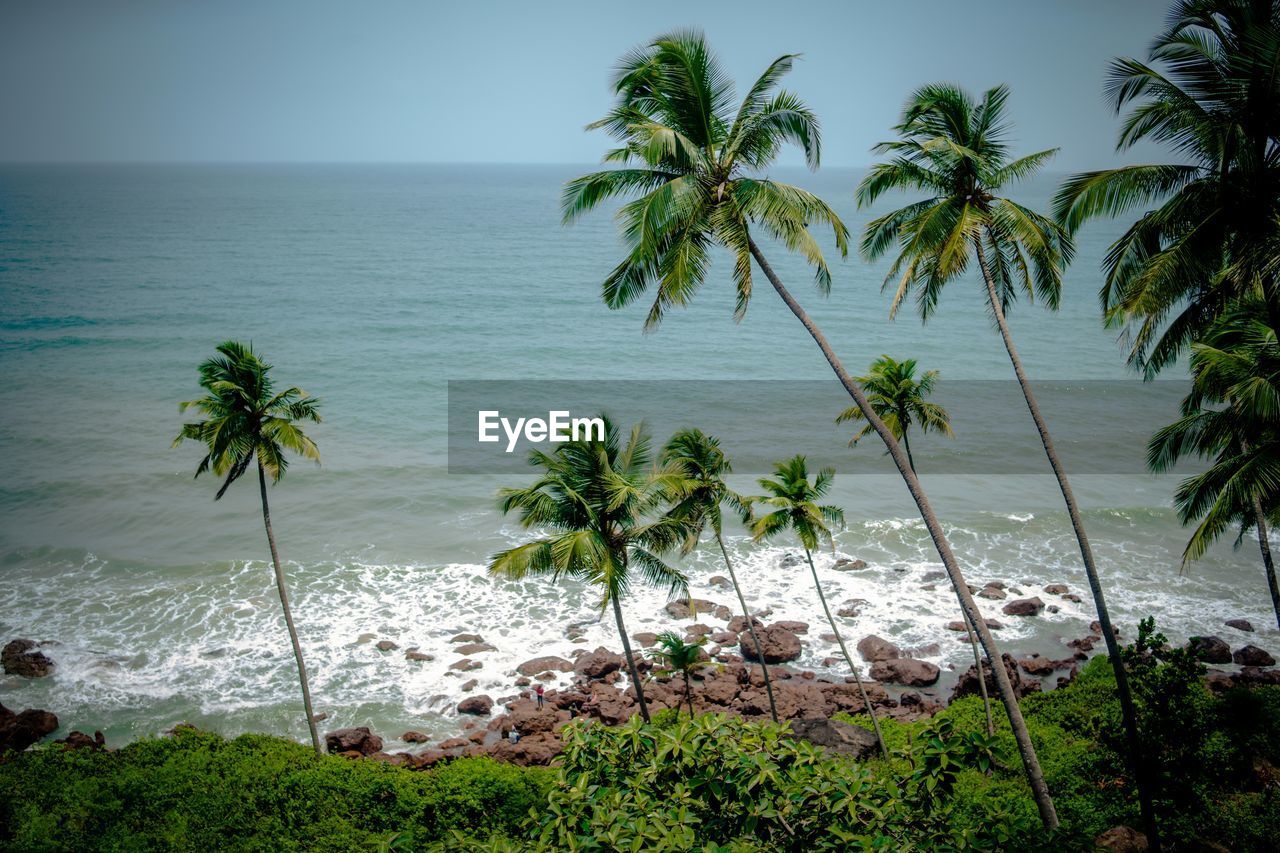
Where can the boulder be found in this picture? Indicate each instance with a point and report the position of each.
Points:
(359, 740)
(848, 698)
(836, 736)
(905, 671)
(724, 638)
(698, 630)
(415, 737)
(533, 750)
(385, 646)
(851, 608)
(778, 645)
(1023, 607)
(480, 705)
(789, 560)
(1253, 656)
(683, 608)
(80, 740)
(992, 593)
(738, 624)
(547, 663)
(474, 648)
(467, 638)
(19, 731)
(21, 657)
(1122, 839)
(645, 639)
(1072, 597)
(1239, 624)
(599, 663)
(415, 655)
(845, 564)
(967, 684)
(873, 648)
(793, 626)
(465, 665)
(1036, 665)
(1210, 650)
(721, 582)
(1055, 588)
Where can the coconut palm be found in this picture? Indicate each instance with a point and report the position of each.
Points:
(1210, 91)
(953, 149)
(600, 502)
(793, 499)
(677, 656)
(690, 161)
(704, 494)
(248, 422)
(1232, 417)
(898, 397)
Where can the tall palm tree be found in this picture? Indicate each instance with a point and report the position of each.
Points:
(953, 149)
(689, 161)
(246, 422)
(794, 502)
(677, 656)
(1232, 417)
(600, 500)
(899, 398)
(1210, 91)
(704, 494)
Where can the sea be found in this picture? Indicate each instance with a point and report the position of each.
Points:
(378, 288)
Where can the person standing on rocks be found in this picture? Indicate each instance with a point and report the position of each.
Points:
(538, 691)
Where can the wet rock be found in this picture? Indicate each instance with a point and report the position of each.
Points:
(1055, 588)
(478, 705)
(1210, 650)
(1122, 839)
(1253, 656)
(683, 608)
(474, 649)
(415, 737)
(1036, 665)
(1083, 644)
(997, 584)
(1239, 624)
(21, 657)
(366, 638)
(721, 582)
(80, 740)
(905, 671)
(385, 646)
(724, 638)
(790, 560)
(845, 564)
(1072, 597)
(851, 608)
(933, 576)
(1023, 607)
(873, 648)
(470, 685)
(645, 639)
(792, 626)
(465, 665)
(698, 630)
(420, 657)
(836, 736)
(599, 663)
(923, 650)
(453, 743)
(992, 593)
(466, 638)
(738, 624)
(534, 750)
(1096, 627)
(1256, 675)
(399, 759)
(777, 645)
(359, 740)
(955, 625)
(848, 698)
(1053, 608)
(967, 684)
(19, 731)
(547, 663)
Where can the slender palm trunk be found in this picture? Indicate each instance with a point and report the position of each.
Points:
(288, 613)
(1030, 763)
(688, 693)
(751, 628)
(866, 700)
(1264, 545)
(631, 664)
(1127, 709)
(906, 445)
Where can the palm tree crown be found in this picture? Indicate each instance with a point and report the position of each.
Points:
(898, 397)
(794, 498)
(1210, 92)
(953, 149)
(246, 419)
(687, 156)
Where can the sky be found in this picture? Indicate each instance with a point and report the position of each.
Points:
(515, 82)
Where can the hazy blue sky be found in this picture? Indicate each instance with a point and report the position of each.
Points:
(516, 81)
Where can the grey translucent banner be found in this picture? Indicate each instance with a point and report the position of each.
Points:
(1098, 427)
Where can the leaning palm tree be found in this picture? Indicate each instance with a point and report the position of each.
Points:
(1232, 417)
(703, 496)
(899, 398)
(794, 502)
(691, 161)
(1209, 92)
(677, 656)
(600, 502)
(953, 149)
(246, 422)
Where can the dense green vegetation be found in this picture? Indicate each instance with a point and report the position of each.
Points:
(707, 783)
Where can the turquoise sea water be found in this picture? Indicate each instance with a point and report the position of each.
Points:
(372, 287)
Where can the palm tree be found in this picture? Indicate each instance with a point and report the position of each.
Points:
(677, 656)
(899, 399)
(248, 421)
(1209, 91)
(689, 160)
(704, 494)
(600, 502)
(794, 500)
(1232, 417)
(953, 149)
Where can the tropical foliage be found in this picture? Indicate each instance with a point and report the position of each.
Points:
(676, 657)
(900, 399)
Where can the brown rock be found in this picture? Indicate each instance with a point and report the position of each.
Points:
(906, 671)
(479, 705)
(1055, 588)
(599, 663)
(1023, 607)
(778, 645)
(873, 648)
(721, 582)
(415, 655)
(845, 564)
(19, 731)
(792, 626)
(547, 663)
(1253, 656)
(1036, 665)
(1210, 650)
(836, 736)
(465, 665)
(359, 740)
(1122, 839)
(738, 624)
(967, 684)
(385, 646)
(1239, 624)
(645, 639)
(20, 657)
(415, 737)
(453, 743)
(467, 638)
(682, 608)
(474, 649)
(993, 593)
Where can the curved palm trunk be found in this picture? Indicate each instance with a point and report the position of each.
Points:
(631, 664)
(688, 693)
(857, 678)
(288, 613)
(906, 445)
(1260, 519)
(751, 628)
(1030, 763)
(1127, 709)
